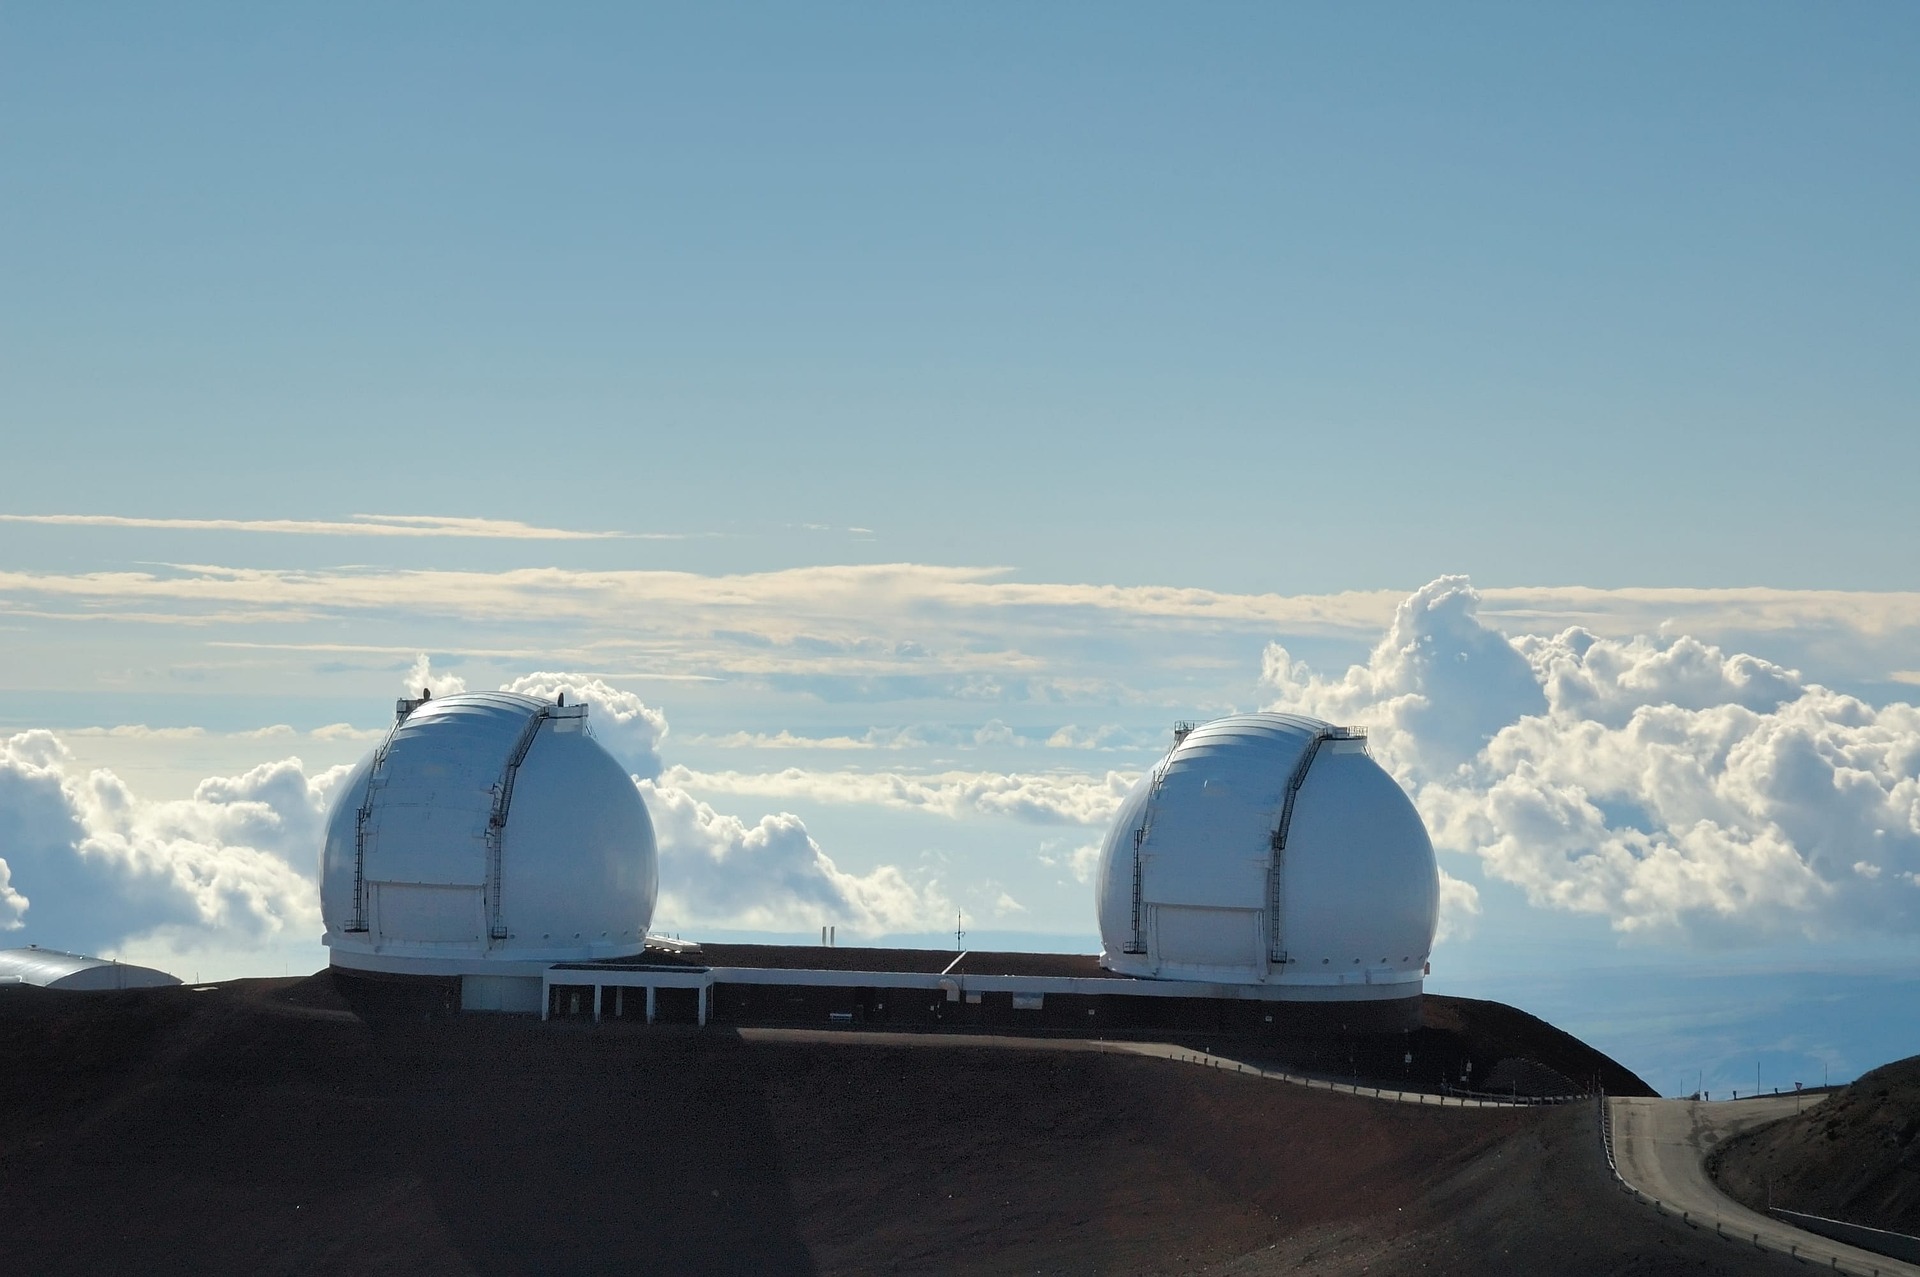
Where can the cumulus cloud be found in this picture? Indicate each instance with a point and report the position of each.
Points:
(1047, 798)
(13, 905)
(719, 870)
(1663, 782)
(90, 865)
(1080, 861)
(1459, 907)
(421, 677)
(630, 728)
(996, 733)
(771, 875)
(1439, 683)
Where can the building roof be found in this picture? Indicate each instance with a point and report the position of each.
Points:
(54, 969)
(803, 957)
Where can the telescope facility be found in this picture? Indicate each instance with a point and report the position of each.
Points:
(1266, 877)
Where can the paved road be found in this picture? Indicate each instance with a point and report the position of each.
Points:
(1660, 1147)
(1228, 1064)
(1162, 1050)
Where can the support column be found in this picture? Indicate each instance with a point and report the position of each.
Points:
(596, 1003)
(650, 1001)
(619, 1001)
(704, 992)
(546, 997)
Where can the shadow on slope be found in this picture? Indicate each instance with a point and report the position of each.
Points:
(1539, 1201)
(1853, 1157)
(1461, 1044)
(265, 1127)
(281, 1127)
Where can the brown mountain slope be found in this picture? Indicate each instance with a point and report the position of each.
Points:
(266, 1127)
(1855, 1156)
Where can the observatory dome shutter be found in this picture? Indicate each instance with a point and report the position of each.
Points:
(437, 836)
(424, 913)
(1206, 855)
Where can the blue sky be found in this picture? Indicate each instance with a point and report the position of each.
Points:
(1136, 339)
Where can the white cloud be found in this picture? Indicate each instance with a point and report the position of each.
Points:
(361, 525)
(1048, 798)
(347, 731)
(717, 870)
(1439, 684)
(914, 736)
(832, 605)
(1079, 861)
(141, 732)
(202, 882)
(846, 604)
(1459, 908)
(997, 733)
(784, 739)
(1660, 781)
(422, 677)
(1106, 737)
(13, 905)
(629, 728)
(89, 864)
(904, 632)
(137, 731)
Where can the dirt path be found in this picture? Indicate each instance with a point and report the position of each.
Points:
(1660, 1147)
(257, 1129)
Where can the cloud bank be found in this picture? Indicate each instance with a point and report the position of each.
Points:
(718, 870)
(88, 865)
(91, 866)
(629, 728)
(360, 525)
(1044, 798)
(1677, 789)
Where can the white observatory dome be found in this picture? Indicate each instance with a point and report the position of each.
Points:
(1270, 849)
(488, 830)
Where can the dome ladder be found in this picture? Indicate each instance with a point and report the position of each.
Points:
(357, 921)
(1138, 944)
(497, 820)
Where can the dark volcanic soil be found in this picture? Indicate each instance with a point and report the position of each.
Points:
(1856, 1156)
(267, 1127)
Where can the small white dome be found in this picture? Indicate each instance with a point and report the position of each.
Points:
(1270, 849)
(489, 827)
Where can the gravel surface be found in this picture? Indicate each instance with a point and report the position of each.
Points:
(275, 1127)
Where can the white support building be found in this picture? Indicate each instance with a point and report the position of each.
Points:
(52, 969)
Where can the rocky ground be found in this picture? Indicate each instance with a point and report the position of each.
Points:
(1854, 1157)
(277, 1127)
